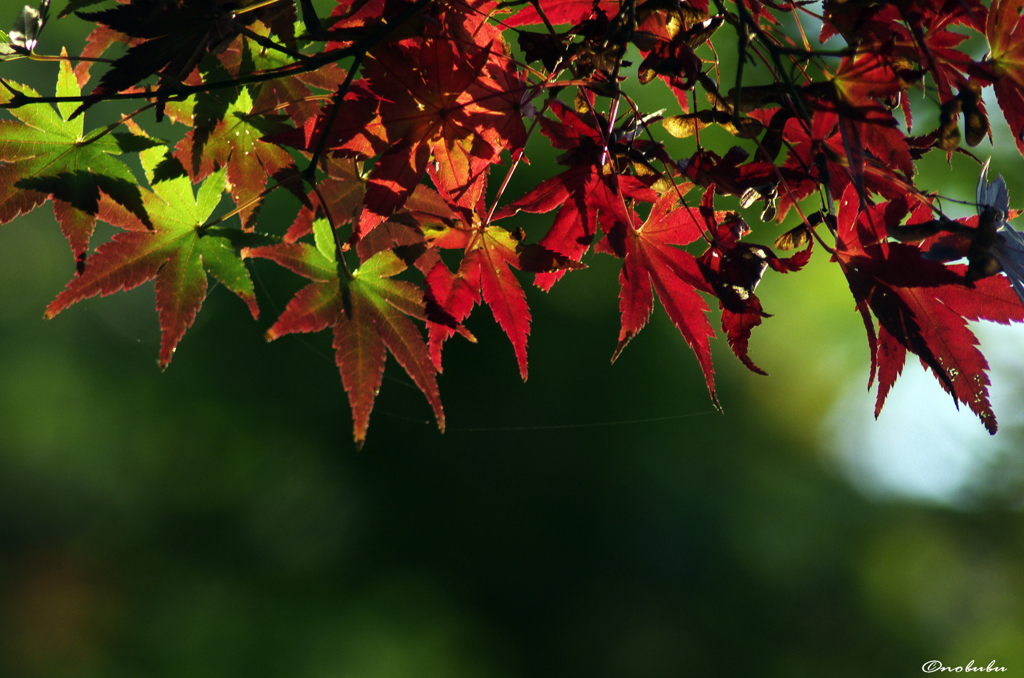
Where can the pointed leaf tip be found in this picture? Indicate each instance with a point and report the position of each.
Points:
(623, 341)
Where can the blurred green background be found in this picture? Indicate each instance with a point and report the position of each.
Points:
(216, 520)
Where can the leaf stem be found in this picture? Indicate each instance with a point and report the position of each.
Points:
(58, 57)
(515, 163)
(96, 136)
(339, 246)
(248, 203)
(309, 174)
(267, 42)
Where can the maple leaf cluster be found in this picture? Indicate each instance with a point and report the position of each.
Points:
(397, 125)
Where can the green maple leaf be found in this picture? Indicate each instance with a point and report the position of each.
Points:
(369, 314)
(46, 155)
(235, 141)
(179, 252)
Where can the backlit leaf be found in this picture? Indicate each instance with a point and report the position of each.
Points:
(368, 312)
(48, 155)
(177, 252)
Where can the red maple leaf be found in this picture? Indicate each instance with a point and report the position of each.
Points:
(1005, 33)
(369, 314)
(921, 305)
(589, 190)
(484, 274)
(865, 125)
(426, 111)
(290, 94)
(499, 94)
(932, 44)
(734, 270)
(674, 61)
(821, 156)
(726, 176)
(650, 259)
(343, 190)
(356, 130)
(563, 12)
(911, 34)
